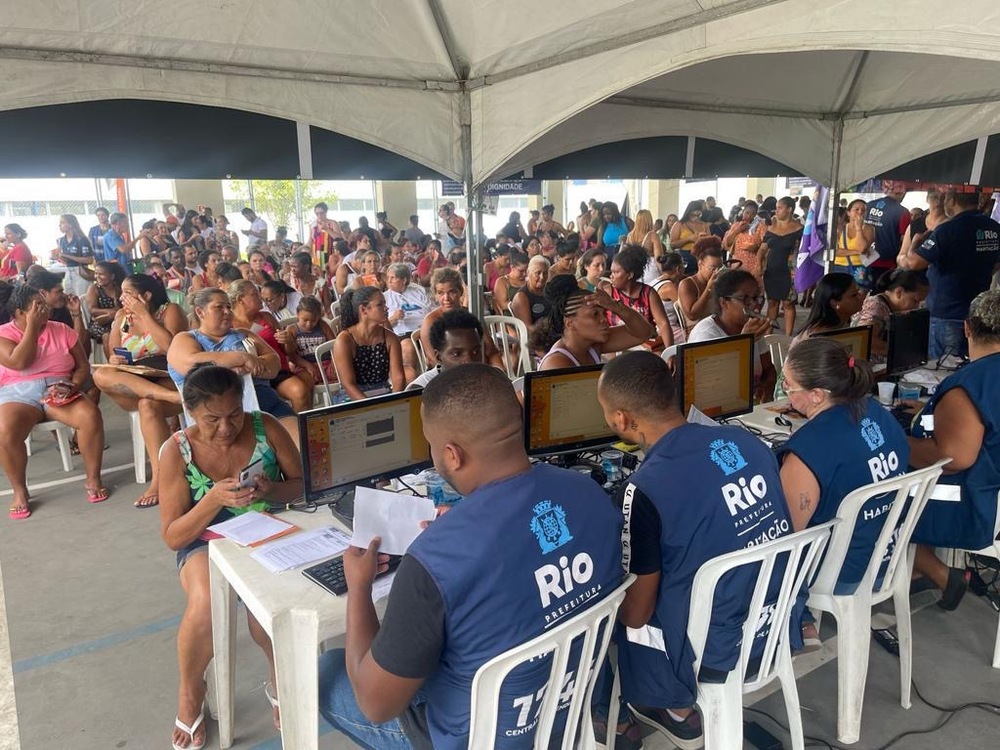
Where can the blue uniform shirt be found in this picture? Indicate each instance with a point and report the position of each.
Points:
(112, 242)
(970, 523)
(716, 490)
(844, 454)
(962, 253)
(889, 219)
(512, 560)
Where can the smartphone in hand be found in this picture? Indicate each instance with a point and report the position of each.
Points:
(248, 475)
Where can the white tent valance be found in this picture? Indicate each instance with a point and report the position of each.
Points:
(477, 89)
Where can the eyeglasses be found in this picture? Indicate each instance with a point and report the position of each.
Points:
(758, 300)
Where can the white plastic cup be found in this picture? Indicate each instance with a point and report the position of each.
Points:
(885, 392)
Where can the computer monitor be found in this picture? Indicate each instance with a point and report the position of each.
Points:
(716, 376)
(361, 442)
(561, 411)
(909, 336)
(858, 340)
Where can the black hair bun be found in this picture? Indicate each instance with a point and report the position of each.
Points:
(560, 287)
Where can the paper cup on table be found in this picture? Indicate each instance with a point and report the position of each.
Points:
(885, 391)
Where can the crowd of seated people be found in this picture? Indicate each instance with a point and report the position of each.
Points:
(258, 327)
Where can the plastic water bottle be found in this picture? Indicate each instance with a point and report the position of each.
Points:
(438, 490)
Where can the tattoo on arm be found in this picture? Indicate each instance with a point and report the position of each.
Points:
(805, 502)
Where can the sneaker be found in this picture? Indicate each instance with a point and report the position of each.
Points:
(629, 739)
(686, 734)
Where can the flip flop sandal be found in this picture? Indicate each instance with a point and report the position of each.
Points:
(152, 500)
(97, 494)
(190, 730)
(958, 584)
(19, 513)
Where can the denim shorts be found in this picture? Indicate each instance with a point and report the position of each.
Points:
(269, 401)
(28, 392)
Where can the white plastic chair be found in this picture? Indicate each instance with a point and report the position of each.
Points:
(250, 402)
(63, 435)
(419, 347)
(721, 704)
(853, 612)
(498, 329)
(138, 447)
(777, 344)
(287, 321)
(575, 683)
(328, 388)
(335, 307)
(669, 353)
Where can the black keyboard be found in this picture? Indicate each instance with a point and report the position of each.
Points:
(904, 416)
(330, 573)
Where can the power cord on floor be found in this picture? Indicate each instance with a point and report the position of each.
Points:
(949, 711)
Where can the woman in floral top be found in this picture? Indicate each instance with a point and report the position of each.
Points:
(199, 486)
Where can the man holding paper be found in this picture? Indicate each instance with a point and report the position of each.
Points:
(528, 547)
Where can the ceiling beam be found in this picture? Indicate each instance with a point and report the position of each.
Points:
(624, 40)
(637, 101)
(459, 66)
(37, 54)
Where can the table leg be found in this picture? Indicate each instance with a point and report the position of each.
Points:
(296, 649)
(224, 647)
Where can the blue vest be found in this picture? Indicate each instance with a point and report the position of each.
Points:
(231, 342)
(511, 560)
(716, 490)
(968, 524)
(844, 454)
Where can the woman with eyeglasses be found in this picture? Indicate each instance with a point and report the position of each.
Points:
(830, 455)
(738, 301)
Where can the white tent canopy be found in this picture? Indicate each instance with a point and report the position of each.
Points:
(478, 89)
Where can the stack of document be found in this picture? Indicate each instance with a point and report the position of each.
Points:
(301, 549)
(253, 528)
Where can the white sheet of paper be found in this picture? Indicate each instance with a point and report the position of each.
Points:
(393, 517)
(300, 549)
(382, 586)
(250, 527)
(697, 416)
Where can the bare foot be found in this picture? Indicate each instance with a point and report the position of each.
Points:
(271, 693)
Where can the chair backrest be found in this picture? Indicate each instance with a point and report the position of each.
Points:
(908, 492)
(681, 317)
(514, 349)
(574, 683)
(777, 344)
(793, 558)
(335, 308)
(321, 351)
(288, 321)
(419, 347)
(669, 353)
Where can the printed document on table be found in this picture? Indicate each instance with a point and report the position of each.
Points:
(301, 549)
(393, 517)
(252, 527)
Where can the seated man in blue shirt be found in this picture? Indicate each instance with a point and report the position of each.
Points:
(528, 547)
(700, 492)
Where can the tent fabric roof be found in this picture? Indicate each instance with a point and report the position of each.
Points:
(537, 82)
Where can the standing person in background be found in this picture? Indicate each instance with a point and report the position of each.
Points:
(414, 233)
(777, 256)
(645, 235)
(15, 257)
(75, 251)
(97, 232)
(920, 227)
(257, 233)
(614, 227)
(514, 229)
(224, 235)
(890, 220)
(744, 238)
(323, 233)
(116, 248)
(548, 224)
(960, 257)
(533, 223)
(853, 238)
(686, 231)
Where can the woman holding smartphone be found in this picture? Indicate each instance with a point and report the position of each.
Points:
(201, 486)
(42, 368)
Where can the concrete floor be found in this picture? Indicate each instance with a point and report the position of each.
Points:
(92, 604)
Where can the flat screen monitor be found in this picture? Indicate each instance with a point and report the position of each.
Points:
(716, 376)
(858, 340)
(909, 336)
(561, 411)
(361, 442)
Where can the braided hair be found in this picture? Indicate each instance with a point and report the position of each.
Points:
(566, 297)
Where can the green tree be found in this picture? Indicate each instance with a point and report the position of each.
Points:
(276, 198)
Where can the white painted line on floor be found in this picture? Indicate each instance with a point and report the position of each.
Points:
(70, 480)
(10, 738)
